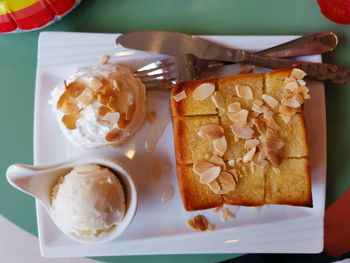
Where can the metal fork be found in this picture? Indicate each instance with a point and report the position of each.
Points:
(164, 73)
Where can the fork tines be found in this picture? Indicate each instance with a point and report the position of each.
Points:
(160, 73)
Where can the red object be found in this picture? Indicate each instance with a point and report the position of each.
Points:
(337, 227)
(60, 7)
(36, 15)
(336, 10)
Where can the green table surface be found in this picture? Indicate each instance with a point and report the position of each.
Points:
(18, 58)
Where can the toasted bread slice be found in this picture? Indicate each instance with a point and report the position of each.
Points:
(294, 135)
(274, 80)
(227, 88)
(189, 106)
(235, 148)
(195, 196)
(189, 147)
(290, 183)
(250, 188)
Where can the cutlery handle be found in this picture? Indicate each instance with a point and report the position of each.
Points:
(316, 43)
(319, 71)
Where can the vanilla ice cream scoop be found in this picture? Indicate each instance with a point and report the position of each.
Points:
(88, 201)
(100, 106)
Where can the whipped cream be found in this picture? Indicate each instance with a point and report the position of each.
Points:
(88, 201)
(91, 128)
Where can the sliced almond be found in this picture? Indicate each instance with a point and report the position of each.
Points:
(264, 164)
(95, 83)
(115, 85)
(180, 96)
(271, 123)
(249, 155)
(274, 145)
(261, 155)
(111, 117)
(214, 186)
(241, 131)
(276, 170)
(70, 121)
(234, 107)
(114, 135)
(274, 158)
(259, 125)
(104, 59)
(220, 146)
(103, 110)
(226, 215)
(70, 108)
(299, 97)
(227, 181)
(255, 159)
(287, 111)
(244, 91)
(258, 103)
(201, 222)
(291, 85)
(301, 82)
(231, 162)
(261, 109)
(218, 161)
(218, 100)
(289, 79)
(210, 175)
(244, 172)
(235, 173)
(297, 73)
(268, 114)
(305, 92)
(269, 100)
(211, 131)
(75, 88)
(292, 102)
(251, 143)
(252, 166)
(203, 91)
(262, 137)
(201, 167)
(286, 119)
(87, 97)
(239, 117)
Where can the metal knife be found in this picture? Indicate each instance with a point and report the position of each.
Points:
(175, 44)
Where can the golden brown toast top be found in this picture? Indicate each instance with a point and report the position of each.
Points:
(256, 128)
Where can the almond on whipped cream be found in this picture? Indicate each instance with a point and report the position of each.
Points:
(100, 106)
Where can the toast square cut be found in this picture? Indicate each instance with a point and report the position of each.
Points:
(189, 147)
(190, 106)
(195, 196)
(290, 183)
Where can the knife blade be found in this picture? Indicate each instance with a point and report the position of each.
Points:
(316, 43)
(176, 44)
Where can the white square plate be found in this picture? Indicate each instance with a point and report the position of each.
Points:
(160, 228)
